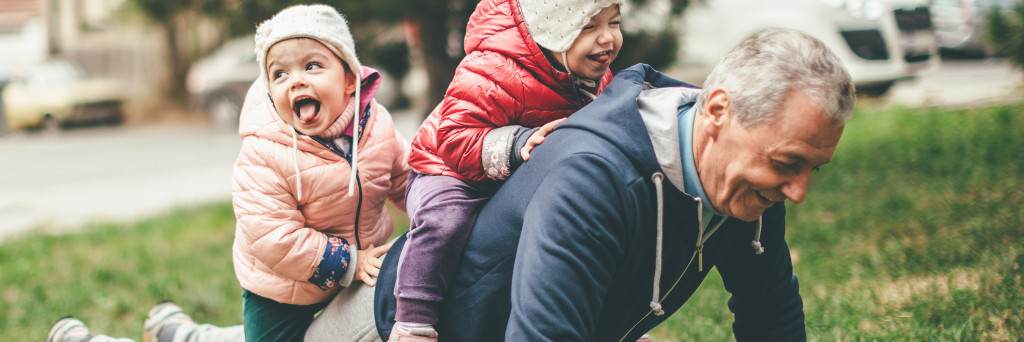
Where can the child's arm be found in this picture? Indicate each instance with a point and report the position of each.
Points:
(536, 138)
(477, 102)
(274, 229)
(368, 266)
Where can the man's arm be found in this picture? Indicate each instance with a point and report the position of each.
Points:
(569, 249)
(765, 295)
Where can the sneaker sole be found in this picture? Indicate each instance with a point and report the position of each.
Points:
(157, 318)
(61, 327)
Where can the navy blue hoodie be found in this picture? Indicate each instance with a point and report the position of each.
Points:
(567, 248)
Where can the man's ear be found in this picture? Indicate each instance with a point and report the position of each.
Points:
(717, 112)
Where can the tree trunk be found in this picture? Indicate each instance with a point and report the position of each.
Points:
(178, 63)
(437, 19)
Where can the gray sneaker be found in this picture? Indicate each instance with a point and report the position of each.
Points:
(162, 320)
(68, 329)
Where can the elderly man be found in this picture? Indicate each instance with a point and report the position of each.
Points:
(627, 205)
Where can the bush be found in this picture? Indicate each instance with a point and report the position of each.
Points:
(1005, 33)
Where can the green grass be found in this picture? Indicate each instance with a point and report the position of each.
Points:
(914, 232)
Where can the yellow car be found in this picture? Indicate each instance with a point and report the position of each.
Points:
(56, 94)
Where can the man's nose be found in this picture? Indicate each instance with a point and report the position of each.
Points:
(795, 190)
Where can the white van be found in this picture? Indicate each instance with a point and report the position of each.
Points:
(879, 41)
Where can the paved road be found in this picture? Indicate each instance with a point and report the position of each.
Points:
(110, 174)
(58, 182)
(960, 83)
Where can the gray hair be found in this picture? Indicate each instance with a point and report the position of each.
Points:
(762, 71)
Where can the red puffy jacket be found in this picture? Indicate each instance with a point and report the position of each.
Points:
(505, 79)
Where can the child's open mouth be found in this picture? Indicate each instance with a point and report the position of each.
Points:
(602, 57)
(307, 109)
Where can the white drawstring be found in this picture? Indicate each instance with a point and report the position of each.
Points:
(758, 249)
(655, 300)
(655, 303)
(355, 133)
(295, 162)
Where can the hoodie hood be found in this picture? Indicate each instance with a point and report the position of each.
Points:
(659, 108)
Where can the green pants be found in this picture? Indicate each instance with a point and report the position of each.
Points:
(267, 320)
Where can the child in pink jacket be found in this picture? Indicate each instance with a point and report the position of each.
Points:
(319, 157)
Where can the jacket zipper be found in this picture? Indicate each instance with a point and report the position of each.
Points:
(359, 208)
(359, 185)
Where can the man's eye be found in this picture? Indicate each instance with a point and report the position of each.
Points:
(786, 166)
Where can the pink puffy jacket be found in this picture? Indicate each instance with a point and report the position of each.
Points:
(279, 240)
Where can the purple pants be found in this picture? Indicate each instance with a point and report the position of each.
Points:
(442, 211)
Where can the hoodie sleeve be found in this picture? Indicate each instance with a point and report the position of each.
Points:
(484, 95)
(765, 295)
(576, 235)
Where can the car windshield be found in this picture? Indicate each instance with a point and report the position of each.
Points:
(53, 73)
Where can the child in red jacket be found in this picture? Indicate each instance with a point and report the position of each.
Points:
(529, 64)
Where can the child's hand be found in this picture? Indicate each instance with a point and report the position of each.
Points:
(538, 137)
(369, 263)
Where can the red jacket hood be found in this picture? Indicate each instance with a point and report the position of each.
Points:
(498, 26)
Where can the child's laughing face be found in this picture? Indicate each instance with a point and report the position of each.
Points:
(310, 86)
(593, 51)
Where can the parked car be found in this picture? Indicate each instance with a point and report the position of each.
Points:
(960, 25)
(880, 42)
(219, 81)
(56, 93)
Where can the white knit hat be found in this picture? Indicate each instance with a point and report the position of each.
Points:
(320, 22)
(554, 24)
(324, 24)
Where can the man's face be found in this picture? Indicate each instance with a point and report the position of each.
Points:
(746, 170)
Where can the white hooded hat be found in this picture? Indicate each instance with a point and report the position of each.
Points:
(324, 24)
(555, 24)
(319, 22)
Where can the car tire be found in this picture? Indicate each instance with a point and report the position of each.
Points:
(224, 111)
(52, 124)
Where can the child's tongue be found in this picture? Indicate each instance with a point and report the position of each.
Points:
(308, 111)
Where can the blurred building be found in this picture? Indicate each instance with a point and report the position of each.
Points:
(97, 35)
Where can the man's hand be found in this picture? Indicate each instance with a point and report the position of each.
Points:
(538, 137)
(369, 263)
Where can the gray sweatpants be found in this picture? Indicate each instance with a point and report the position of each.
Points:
(349, 317)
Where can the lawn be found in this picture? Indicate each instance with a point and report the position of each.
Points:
(913, 232)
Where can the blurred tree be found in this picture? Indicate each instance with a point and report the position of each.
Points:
(164, 14)
(388, 33)
(1005, 33)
